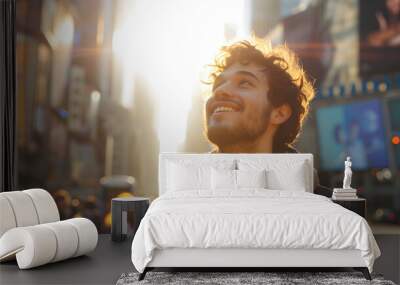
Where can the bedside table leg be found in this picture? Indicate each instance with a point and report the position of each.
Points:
(124, 224)
(364, 271)
(116, 224)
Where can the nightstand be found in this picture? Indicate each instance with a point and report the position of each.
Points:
(119, 213)
(358, 205)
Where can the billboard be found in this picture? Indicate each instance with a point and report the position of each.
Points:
(305, 34)
(355, 130)
(379, 28)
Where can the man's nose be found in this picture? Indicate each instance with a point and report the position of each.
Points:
(223, 92)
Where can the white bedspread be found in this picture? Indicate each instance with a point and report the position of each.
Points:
(250, 219)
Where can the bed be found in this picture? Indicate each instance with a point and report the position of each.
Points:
(247, 210)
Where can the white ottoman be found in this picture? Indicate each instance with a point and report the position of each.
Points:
(31, 232)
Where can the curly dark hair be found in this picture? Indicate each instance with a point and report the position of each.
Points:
(288, 82)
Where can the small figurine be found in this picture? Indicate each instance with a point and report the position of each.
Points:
(347, 174)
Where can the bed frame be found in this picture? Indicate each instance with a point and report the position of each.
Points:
(241, 259)
(245, 259)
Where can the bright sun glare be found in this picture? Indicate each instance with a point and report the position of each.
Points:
(167, 44)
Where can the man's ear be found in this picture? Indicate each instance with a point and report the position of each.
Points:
(281, 114)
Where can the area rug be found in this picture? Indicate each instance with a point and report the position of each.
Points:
(229, 278)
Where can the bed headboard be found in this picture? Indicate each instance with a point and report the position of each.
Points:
(164, 158)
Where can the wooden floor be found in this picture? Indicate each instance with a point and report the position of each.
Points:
(110, 260)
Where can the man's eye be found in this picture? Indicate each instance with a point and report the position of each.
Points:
(245, 83)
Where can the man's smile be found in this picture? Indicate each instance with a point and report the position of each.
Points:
(223, 107)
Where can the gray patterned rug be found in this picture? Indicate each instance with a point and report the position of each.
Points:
(229, 278)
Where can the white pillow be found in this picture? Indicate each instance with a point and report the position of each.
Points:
(185, 174)
(293, 179)
(223, 179)
(188, 177)
(281, 174)
(251, 178)
(235, 179)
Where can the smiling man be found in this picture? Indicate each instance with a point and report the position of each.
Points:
(260, 98)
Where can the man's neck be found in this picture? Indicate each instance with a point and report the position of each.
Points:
(256, 146)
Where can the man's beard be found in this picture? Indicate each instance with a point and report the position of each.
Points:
(222, 136)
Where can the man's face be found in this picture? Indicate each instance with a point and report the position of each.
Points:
(238, 110)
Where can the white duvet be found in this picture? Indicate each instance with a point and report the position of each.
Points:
(250, 219)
